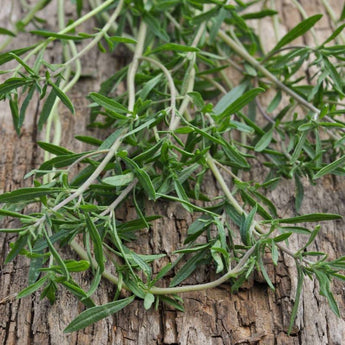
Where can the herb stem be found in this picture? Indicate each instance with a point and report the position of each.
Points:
(98, 37)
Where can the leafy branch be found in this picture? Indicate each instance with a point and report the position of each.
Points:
(179, 122)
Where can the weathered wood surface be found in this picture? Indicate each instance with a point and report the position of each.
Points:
(256, 315)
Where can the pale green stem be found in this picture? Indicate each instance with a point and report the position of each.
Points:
(90, 154)
(70, 27)
(173, 290)
(98, 37)
(134, 65)
(120, 198)
(245, 55)
(171, 83)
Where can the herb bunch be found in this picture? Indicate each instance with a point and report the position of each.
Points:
(180, 120)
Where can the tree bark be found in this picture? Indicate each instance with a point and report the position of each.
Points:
(254, 315)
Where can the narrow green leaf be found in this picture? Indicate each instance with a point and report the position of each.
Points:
(4, 31)
(108, 103)
(172, 302)
(47, 109)
(275, 102)
(175, 47)
(229, 98)
(264, 273)
(155, 25)
(57, 256)
(188, 268)
(313, 217)
(54, 149)
(330, 167)
(8, 213)
(141, 263)
(119, 180)
(94, 284)
(275, 253)
(32, 288)
(15, 113)
(45, 33)
(63, 97)
(299, 30)
(240, 102)
(16, 248)
(97, 242)
(258, 15)
(77, 291)
(299, 147)
(264, 141)
(121, 39)
(143, 177)
(334, 34)
(12, 84)
(148, 300)
(21, 62)
(97, 313)
(24, 106)
(246, 226)
(27, 194)
(6, 57)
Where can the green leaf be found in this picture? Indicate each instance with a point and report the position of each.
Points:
(264, 141)
(63, 97)
(108, 103)
(258, 15)
(97, 313)
(32, 288)
(21, 62)
(27, 194)
(229, 98)
(54, 149)
(57, 256)
(241, 102)
(47, 109)
(334, 34)
(264, 273)
(13, 214)
(175, 47)
(148, 300)
(299, 147)
(313, 217)
(16, 248)
(45, 33)
(246, 226)
(120, 39)
(119, 180)
(12, 84)
(330, 167)
(155, 25)
(97, 242)
(299, 30)
(25, 105)
(6, 57)
(6, 32)
(143, 177)
(77, 291)
(188, 268)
